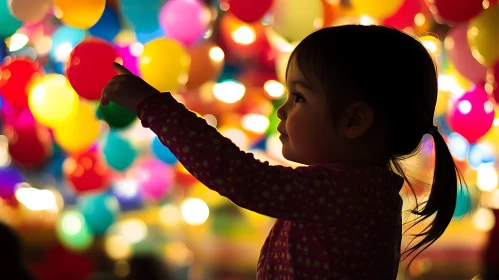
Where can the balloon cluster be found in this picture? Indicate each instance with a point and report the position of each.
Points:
(58, 56)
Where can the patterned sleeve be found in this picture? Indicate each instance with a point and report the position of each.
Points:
(299, 194)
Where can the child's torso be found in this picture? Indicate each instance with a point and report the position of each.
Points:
(368, 247)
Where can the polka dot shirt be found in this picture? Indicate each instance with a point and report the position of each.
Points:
(334, 221)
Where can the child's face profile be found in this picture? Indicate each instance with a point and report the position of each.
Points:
(306, 127)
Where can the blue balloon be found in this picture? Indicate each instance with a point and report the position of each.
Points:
(107, 27)
(163, 153)
(64, 40)
(9, 178)
(99, 210)
(119, 152)
(144, 17)
(8, 23)
(3, 50)
(480, 153)
(128, 195)
(463, 203)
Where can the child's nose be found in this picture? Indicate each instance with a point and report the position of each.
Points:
(281, 112)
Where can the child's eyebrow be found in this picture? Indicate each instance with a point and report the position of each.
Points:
(300, 84)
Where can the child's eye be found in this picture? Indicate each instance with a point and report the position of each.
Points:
(297, 98)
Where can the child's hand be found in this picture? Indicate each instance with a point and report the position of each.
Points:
(126, 89)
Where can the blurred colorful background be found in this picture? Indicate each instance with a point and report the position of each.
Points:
(92, 193)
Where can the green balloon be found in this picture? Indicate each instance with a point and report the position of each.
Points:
(73, 231)
(117, 116)
(8, 23)
(273, 119)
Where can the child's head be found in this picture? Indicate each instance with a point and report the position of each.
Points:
(372, 84)
(366, 94)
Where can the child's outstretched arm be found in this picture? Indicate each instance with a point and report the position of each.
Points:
(304, 193)
(322, 194)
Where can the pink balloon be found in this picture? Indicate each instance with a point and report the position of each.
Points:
(154, 178)
(185, 21)
(460, 55)
(29, 11)
(472, 114)
(130, 60)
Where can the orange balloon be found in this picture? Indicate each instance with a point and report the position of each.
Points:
(331, 12)
(207, 60)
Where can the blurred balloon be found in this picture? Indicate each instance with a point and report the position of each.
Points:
(99, 211)
(249, 11)
(81, 132)
(60, 263)
(153, 176)
(295, 19)
(17, 74)
(472, 114)
(130, 54)
(493, 81)
(8, 23)
(90, 67)
(87, 172)
(80, 13)
(331, 12)
(406, 14)
(162, 152)
(127, 194)
(378, 10)
(64, 39)
(30, 144)
(107, 27)
(455, 10)
(116, 116)
(242, 39)
(29, 11)
(118, 152)
(207, 60)
(483, 36)
(73, 231)
(459, 53)
(3, 49)
(144, 17)
(52, 100)
(185, 21)
(164, 64)
(463, 203)
(9, 178)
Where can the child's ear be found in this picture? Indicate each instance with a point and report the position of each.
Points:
(359, 117)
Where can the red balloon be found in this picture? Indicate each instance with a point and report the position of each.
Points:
(90, 67)
(87, 172)
(472, 114)
(455, 10)
(404, 17)
(30, 144)
(249, 10)
(61, 264)
(247, 46)
(16, 76)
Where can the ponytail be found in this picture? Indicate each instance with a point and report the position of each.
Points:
(442, 198)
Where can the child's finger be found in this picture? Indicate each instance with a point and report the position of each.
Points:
(122, 70)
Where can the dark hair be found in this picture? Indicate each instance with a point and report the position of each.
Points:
(394, 74)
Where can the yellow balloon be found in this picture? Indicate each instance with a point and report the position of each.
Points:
(80, 13)
(483, 36)
(295, 19)
(52, 100)
(165, 64)
(377, 9)
(81, 132)
(442, 102)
